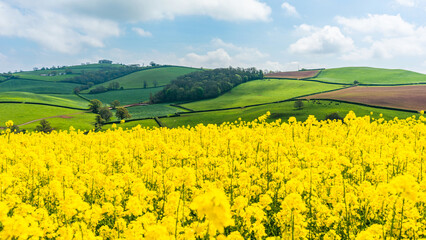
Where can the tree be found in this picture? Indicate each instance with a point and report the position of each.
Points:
(44, 126)
(105, 113)
(333, 116)
(144, 84)
(99, 121)
(356, 82)
(68, 71)
(298, 104)
(95, 105)
(122, 113)
(114, 104)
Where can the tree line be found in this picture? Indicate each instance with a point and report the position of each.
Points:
(205, 84)
(89, 79)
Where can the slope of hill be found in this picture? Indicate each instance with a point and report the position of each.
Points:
(261, 91)
(75, 71)
(36, 86)
(152, 77)
(367, 75)
(67, 100)
(124, 96)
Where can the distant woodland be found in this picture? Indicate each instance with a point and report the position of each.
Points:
(205, 84)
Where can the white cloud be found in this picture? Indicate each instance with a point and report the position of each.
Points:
(326, 40)
(388, 37)
(68, 26)
(406, 3)
(213, 59)
(289, 9)
(387, 25)
(142, 32)
(55, 31)
(225, 55)
(144, 10)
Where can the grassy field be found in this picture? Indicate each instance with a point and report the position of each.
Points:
(21, 113)
(76, 70)
(152, 110)
(367, 75)
(124, 96)
(261, 91)
(148, 123)
(79, 121)
(163, 76)
(2, 78)
(68, 100)
(281, 111)
(20, 85)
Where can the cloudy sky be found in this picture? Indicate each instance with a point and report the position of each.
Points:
(267, 34)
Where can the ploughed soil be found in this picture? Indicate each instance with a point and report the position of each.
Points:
(293, 75)
(402, 97)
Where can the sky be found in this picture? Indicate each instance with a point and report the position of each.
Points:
(275, 35)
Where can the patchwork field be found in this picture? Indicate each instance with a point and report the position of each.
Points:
(124, 96)
(285, 110)
(162, 76)
(21, 113)
(261, 91)
(82, 121)
(35, 86)
(293, 75)
(68, 100)
(152, 110)
(367, 75)
(402, 97)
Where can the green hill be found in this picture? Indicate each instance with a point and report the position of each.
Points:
(76, 70)
(35, 86)
(261, 91)
(162, 76)
(124, 96)
(67, 100)
(367, 75)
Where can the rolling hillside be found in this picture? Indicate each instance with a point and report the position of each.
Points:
(162, 76)
(67, 100)
(367, 75)
(261, 91)
(36, 86)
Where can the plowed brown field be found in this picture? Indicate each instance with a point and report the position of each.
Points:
(402, 97)
(293, 75)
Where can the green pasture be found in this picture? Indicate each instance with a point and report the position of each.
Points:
(33, 86)
(124, 96)
(162, 75)
(261, 91)
(148, 123)
(67, 100)
(83, 121)
(2, 78)
(36, 76)
(21, 113)
(282, 111)
(368, 75)
(152, 110)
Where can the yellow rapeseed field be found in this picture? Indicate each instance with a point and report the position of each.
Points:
(356, 179)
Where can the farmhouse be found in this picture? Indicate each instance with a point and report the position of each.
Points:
(105, 61)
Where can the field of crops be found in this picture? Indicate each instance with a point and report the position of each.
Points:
(401, 97)
(293, 75)
(68, 100)
(35, 86)
(261, 91)
(367, 75)
(124, 96)
(162, 76)
(360, 179)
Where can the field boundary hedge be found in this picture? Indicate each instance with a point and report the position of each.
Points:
(45, 104)
(362, 104)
